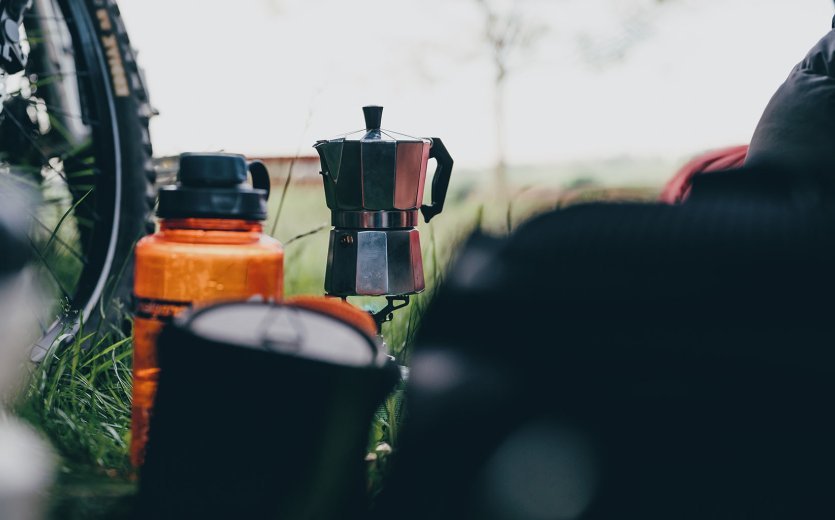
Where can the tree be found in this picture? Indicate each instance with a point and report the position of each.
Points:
(505, 34)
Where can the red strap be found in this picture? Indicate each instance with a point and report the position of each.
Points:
(678, 188)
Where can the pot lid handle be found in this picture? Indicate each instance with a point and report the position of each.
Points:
(373, 117)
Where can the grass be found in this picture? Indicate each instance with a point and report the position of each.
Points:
(79, 397)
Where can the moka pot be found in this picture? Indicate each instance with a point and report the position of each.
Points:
(374, 186)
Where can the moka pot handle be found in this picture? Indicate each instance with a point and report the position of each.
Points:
(260, 176)
(440, 180)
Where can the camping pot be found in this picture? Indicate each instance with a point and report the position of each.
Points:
(374, 182)
(263, 411)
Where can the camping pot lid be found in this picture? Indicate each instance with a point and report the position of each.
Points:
(373, 130)
(287, 330)
(213, 185)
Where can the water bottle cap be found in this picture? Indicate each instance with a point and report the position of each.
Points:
(213, 185)
(212, 169)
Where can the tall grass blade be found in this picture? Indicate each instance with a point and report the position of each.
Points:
(64, 217)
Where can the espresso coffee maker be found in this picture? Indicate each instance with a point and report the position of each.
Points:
(374, 182)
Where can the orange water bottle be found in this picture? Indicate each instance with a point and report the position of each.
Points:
(209, 248)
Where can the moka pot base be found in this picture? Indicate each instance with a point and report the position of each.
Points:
(374, 262)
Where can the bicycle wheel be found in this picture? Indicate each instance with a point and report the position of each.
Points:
(74, 124)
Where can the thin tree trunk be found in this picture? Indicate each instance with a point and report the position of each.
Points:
(500, 167)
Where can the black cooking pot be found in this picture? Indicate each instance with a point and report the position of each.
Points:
(262, 411)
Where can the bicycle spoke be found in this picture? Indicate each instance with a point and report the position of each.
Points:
(80, 152)
(60, 128)
(64, 217)
(37, 314)
(44, 80)
(34, 144)
(84, 222)
(58, 239)
(52, 273)
(87, 172)
(64, 73)
(24, 180)
(55, 110)
(35, 16)
(82, 187)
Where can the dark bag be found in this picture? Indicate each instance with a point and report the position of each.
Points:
(797, 129)
(633, 361)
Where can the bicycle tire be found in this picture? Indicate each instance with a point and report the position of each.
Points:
(124, 193)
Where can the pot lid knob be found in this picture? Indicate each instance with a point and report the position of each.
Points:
(373, 117)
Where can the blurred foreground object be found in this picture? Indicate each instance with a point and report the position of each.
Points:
(797, 129)
(210, 247)
(667, 362)
(263, 411)
(19, 295)
(26, 461)
(26, 471)
(633, 361)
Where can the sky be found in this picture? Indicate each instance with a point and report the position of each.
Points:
(602, 78)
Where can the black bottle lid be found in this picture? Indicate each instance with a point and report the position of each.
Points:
(213, 185)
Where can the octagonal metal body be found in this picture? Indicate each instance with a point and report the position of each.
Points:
(374, 262)
(377, 172)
